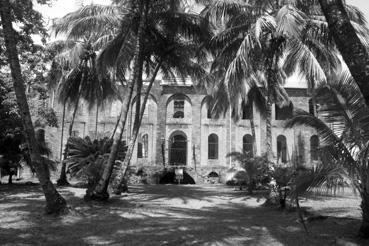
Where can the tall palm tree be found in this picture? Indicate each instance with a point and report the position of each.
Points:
(250, 45)
(343, 128)
(352, 45)
(123, 19)
(274, 38)
(55, 203)
(83, 82)
(174, 52)
(127, 46)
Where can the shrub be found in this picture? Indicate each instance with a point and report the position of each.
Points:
(86, 158)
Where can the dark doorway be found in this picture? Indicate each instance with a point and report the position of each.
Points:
(178, 150)
(170, 178)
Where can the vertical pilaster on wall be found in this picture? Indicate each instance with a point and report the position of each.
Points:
(196, 130)
(160, 129)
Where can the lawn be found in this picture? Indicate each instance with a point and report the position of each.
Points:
(173, 215)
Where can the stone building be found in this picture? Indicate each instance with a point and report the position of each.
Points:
(177, 129)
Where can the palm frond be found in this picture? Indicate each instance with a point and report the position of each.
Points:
(321, 176)
(329, 140)
(88, 20)
(290, 21)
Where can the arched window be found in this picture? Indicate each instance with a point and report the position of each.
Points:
(145, 141)
(247, 144)
(178, 109)
(283, 113)
(247, 111)
(281, 149)
(139, 150)
(213, 146)
(314, 148)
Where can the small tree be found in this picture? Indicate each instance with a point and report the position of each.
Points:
(255, 167)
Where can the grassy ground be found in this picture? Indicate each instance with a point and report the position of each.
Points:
(173, 215)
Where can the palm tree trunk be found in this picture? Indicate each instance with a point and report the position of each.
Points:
(136, 127)
(63, 181)
(62, 132)
(119, 187)
(70, 131)
(348, 43)
(55, 203)
(100, 191)
(269, 151)
(311, 87)
(137, 79)
(122, 111)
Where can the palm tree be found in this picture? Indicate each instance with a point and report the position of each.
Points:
(352, 45)
(120, 53)
(251, 45)
(55, 203)
(122, 50)
(176, 53)
(82, 82)
(274, 39)
(343, 129)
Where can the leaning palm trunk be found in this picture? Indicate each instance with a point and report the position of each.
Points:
(118, 184)
(63, 177)
(119, 181)
(100, 192)
(137, 79)
(55, 203)
(75, 111)
(348, 43)
(122, 111)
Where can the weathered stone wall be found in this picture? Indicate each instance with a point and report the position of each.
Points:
(160, 126)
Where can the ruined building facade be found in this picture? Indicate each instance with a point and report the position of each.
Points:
(177, 129)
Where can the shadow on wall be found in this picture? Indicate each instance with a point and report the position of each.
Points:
(169, 178)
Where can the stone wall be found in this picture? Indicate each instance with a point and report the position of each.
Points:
(160, 126)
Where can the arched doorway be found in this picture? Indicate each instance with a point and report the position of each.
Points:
(178, 149)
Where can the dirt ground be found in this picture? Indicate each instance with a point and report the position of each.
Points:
(173, 215)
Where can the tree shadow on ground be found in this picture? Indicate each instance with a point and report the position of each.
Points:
(162, 215)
